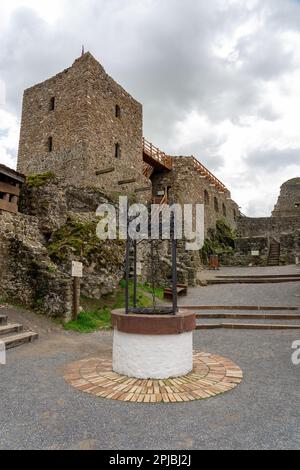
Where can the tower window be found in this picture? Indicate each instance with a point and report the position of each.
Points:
(52, 104)
(118, 111)
(50, 144)
(117, 151)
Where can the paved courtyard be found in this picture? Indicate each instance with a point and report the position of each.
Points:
(39, 410)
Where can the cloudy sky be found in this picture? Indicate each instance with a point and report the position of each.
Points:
(218, 79)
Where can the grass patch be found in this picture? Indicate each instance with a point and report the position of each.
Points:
(91, 321)
(96, 314)
(158, 291)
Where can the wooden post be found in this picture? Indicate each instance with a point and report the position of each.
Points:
(76, 274)
(76, 297)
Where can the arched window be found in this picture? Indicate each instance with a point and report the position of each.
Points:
(224, 210)
(216, 204)
(117, 151)
(118, 111)
(50, 144)
(234, 214)
(206, 197)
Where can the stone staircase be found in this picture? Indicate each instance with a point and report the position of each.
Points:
(244, 317)
(254, 279)
(12, 334)
(274, 253)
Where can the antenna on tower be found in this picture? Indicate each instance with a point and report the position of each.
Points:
(82, 51)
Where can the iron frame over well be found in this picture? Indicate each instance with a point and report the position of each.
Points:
(131, 249)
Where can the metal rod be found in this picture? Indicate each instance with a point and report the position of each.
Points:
(134, 274)
(174, 264)
(76, 298)
(127, 271)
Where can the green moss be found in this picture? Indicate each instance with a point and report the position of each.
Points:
(36, 181)
(220, 240)
(82, 240)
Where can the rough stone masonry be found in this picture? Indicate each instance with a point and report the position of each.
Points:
(81, 143)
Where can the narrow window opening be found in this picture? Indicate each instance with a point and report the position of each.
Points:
(118, 111)
(224, 210)
(117, 151)
(216, 204)
(52, 104)
(50, 144)
(206, 197)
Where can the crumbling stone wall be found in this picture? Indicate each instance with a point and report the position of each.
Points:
(288, 204)
(27, 274)
(67, 219)
(267, 226)
(256, 233)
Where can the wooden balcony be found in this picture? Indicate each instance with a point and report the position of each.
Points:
(155, 157)
(10, 183)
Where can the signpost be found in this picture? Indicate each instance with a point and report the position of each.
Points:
(77, 273)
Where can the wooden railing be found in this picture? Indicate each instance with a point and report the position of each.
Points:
(157, 155)
(147, 170)
(208, 175)
(161, 200)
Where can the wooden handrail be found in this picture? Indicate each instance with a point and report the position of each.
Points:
(212, 178)
(166, 160)
(155, 153)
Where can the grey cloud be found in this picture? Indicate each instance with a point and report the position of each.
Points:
(161, 51)
(273, 159)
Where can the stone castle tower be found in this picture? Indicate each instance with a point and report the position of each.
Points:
(288, 203)
(84, 127)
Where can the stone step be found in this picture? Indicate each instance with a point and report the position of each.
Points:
(241, 307)
(252, 280)
(258, 276)
(247, 326)
(3, 319)
(10, 328)
(18, 339)
(249, 316)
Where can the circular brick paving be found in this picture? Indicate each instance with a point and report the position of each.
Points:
(212, 375)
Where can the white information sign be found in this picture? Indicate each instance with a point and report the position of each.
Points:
(76, 269)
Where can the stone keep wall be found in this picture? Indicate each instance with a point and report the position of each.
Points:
(288, 203)
(187, 186)
(84, 128)
(27, 274)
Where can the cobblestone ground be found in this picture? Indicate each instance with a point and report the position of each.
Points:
(39, 410)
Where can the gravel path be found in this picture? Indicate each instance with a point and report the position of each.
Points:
(38, 410)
